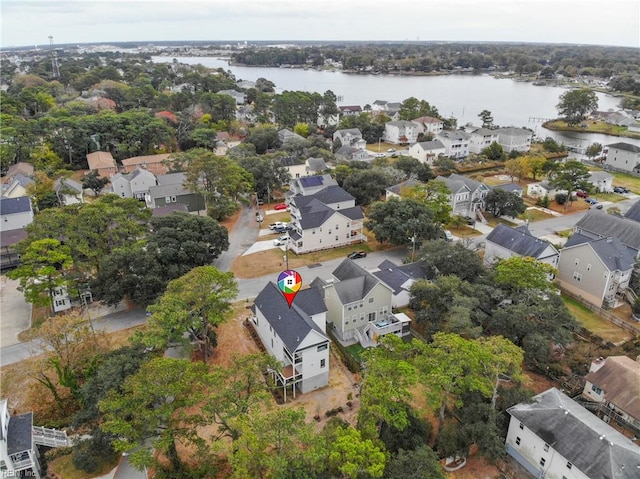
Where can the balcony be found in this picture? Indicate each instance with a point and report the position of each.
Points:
(398, 324)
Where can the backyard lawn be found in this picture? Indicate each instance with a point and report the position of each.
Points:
(595, 324)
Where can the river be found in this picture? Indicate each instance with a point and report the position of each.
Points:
(462, 96)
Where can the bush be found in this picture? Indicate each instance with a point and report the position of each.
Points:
(561, 198)
(88, 453)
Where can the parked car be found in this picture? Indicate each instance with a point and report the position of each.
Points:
(470, 220)
(380, 155)
(283, 238)
(597, 206)
(277, 224)
(281, 206)
(279, 229)
(448, 236)
(357, 255)
(391, 150)
(620, 189)
(591, 201)
(582, 194)
(259, 218)
(279, 242)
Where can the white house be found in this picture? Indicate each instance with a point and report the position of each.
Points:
(556, 438)
(514, 139)
(456, 143)
(310, 185)
(295, 336)
(60, 300)
(481, 138)
(623, 156)
(19, 438)
(360, 305)
(427, 151)
(540, 190)
(400, 132)
(16, 186)
(16, 213)
(326, 219)
(467, 195)
(133, 185)
(429, 125)
(601, 181)
(505, 242)
(68, 191)
(238, 96)
(351, 137)
(614, 383)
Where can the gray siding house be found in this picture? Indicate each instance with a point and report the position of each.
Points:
(623, 157)
(504, 242)
(170, 190)
(598, 224)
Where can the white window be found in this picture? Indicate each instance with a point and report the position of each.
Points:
(521, 426)
(323, 347)
(577, 261)
(577, 276)
(323, 363)
(542, 461)
(588, 267)
(569, 465)
(596, 389)
(546, 447)
(517, 441)
(370, 300)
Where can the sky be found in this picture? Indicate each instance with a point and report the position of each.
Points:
(597, 22)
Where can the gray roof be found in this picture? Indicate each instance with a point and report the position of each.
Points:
(510, 187)
(396, 276)
(10, 206)
(313, 213)
(484, 132)
(316, 164)
(619, 378)
(68, 183)
(599, 176)
(590, 444)
(402, 123)
(405, 184)
(615, 255)
(352, 131)
(11, 237)
(457, 182)
(633, 213)
(329, 195)
(171, 179)
(512, 131)
(601, 224)
(353, 213)
(520, 241)
(293, 324)
(625, 146)
(454, 135)
(167, 210)
(19, 433)
(22, 180)
(354, 281)
(431, 145)
(160, 191)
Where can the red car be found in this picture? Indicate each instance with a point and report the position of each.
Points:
(582, 194)
(281, 206)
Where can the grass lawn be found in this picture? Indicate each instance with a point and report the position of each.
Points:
(591, 127)
(535, 215)
(493, 222)
(355, 350)
(621, 179)
(63, 467)
(613, 197)
(594, 323)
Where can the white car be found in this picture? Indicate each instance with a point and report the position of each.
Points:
(279, 242)
(448, 236)
(277, 224)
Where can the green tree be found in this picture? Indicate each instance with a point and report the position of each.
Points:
(494, 152)
(190, 310)
(500, 202)
(221, 182)
(353, 457)
(302, 129)
(500, 360)
(487, 118)
(412, 108)
(574, 105)
(518, 167)
(92, 181)
(535, 165)
(269, 174)
(419, 463)
(593, 150)
(412, 167)
(570, 176)
(44, 266)
(41, 191)
(435, 196)
(157, 404)
(446, 258)
(523, 273)
(367, 185)
(401, 222)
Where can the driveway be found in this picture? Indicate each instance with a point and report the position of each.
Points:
(15, 312)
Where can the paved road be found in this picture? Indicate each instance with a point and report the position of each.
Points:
(242, 236)
(14, 311)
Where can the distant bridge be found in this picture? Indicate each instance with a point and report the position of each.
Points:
(539, 120)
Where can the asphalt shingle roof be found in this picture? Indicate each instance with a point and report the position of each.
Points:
(19, 433)
(625, 146)
(354, 281)
(590, 444)
(293, 324)
(619, 378)
(520, 241)
(396, 276)
(615, 255)
(633, 213)
(601, 224)
(10, 206)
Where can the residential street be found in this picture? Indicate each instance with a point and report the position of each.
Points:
(242, 237)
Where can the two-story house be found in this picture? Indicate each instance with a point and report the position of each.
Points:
(514, 139)
(295, 336)
(456, 143)
(481, 138)
(505, 242)
(599, 224)
(595, 270)
(238, 96)
(156, 164)
(309, 185)
(633, 213)
(623, 157)
(133, 185)
(400, 132)
(360, 305)
(602, 181)
(351, 137)
(350, 110)
(326, 219)
(542, 189)
(103, 163)
(427, 151)
(429, 125)
(467, 196)
(614, 383)
(19, 441)
(556, 438)
(349, 153)
(170, 189)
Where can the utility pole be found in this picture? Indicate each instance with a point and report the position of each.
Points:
(55, 70)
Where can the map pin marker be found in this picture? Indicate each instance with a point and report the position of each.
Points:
(289, 282)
